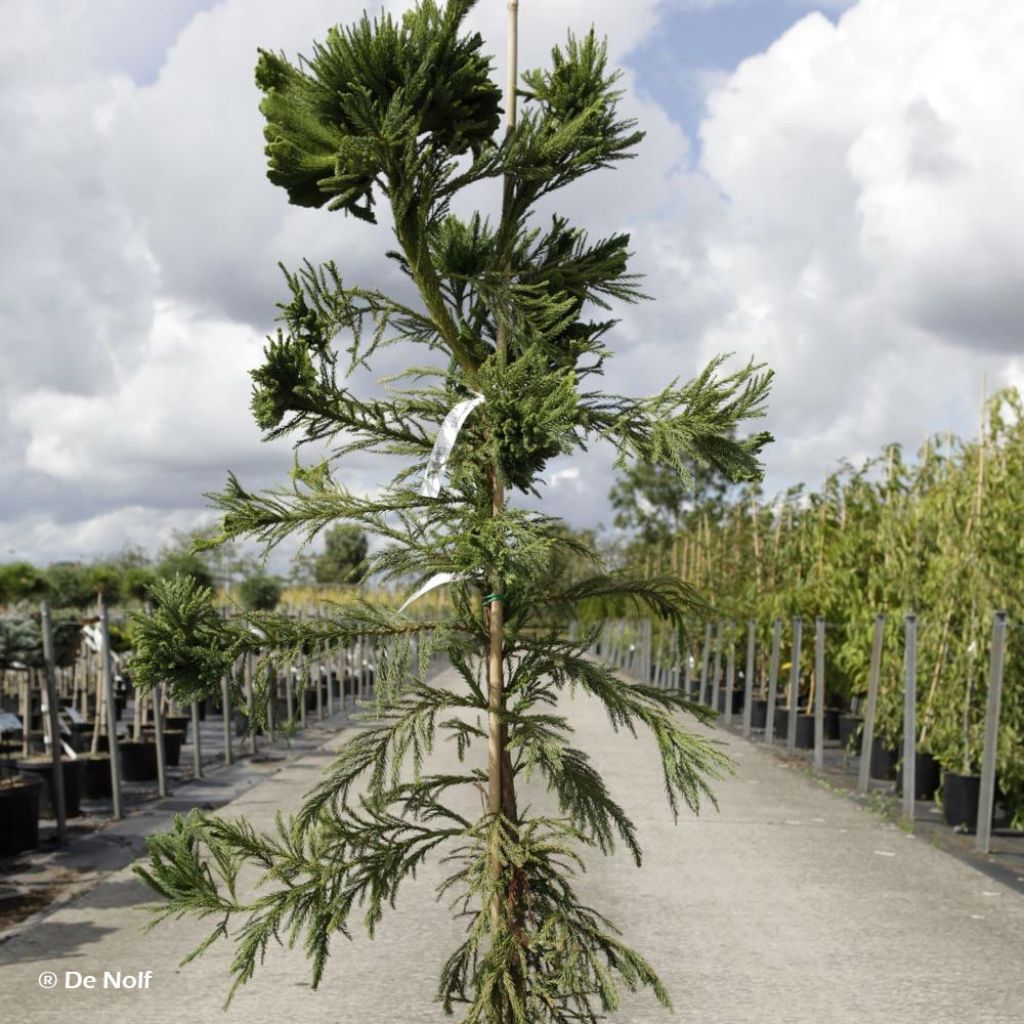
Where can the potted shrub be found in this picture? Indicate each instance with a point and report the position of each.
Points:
(19, 800)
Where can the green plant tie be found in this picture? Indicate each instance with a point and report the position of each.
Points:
(494, 597)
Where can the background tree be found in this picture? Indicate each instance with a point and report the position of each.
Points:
(343, 559)
(21, 581)
(659, 502)
(406, 112)
(259, 592)
(183, 558)
(70, 584)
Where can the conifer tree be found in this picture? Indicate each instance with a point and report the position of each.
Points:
(405, 114)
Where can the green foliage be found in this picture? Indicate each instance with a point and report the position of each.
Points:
(181, 559)
(408, 113)
(183, 643)
(21, 642)
(21, 639)
(934, 534)
(21, 581)
(259, 592)
(343, 559)
(369, 98)
(659, 503)
(70, 585)
(137, 582)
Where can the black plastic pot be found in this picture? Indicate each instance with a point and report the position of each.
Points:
(72, 772)
(831, 723)
(804, 732)
(179, 723)
(96, 784)
(849, 732)
(138, 761)
(960, 797)
(173, 739)
(927, 776)
(737, 700)
(81, 736)
(19, 812)
(103, 744)
(883, 760)
(758, 712)
(782, 722)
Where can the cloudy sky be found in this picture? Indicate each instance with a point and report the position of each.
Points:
(832, 187)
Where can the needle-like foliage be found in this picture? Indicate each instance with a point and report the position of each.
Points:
(405, 113)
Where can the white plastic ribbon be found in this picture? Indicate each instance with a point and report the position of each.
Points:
(437, 580)
(443, 444)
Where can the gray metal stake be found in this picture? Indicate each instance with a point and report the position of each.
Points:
(705, 657)
(648, 651)
(158, 737)
(108, 694)
(57, 762)
(986, 798)
(910, 720)
(319, 693)
(773, 682)
(868, 728)
(289, 696)
(197, 745)
(716, 676)
(730, 679)
(794, 683)
(748, 678)
(819, 692)
(329, 668)
(225, 701)
(250, 706)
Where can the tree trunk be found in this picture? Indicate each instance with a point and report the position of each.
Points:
(501, 797)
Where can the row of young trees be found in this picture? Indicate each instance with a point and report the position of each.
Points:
(936, 534)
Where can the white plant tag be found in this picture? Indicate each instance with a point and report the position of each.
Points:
(443, 444)
(437, 580)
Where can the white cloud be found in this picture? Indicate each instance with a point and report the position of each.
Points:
(856, 221)
(870, 232)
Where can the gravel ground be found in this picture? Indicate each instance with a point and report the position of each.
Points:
(789, 904)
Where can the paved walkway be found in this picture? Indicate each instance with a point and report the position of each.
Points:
(789, 905)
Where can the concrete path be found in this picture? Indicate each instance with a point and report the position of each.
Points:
(789, 905)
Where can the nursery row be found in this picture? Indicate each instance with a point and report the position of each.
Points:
(936, 536)
(81, 689)
(725, 669)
